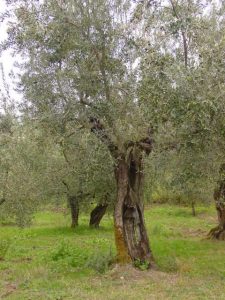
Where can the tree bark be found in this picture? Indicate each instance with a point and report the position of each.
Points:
(74, 208)
(130, 232)
(219, 196)
(97, 214)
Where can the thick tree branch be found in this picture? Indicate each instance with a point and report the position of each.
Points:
(146, 144)
(98, 129)
(66, 185)
(2, 201)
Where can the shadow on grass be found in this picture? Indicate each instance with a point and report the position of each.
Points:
(82, 230)
(8, 224)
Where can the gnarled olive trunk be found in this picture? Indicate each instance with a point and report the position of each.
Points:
(219, 196)
(74, 208)
(130, 232)
(97, 214)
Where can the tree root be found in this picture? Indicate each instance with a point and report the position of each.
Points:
(216, 233)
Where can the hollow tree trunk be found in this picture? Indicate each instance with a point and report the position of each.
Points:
(130, 232)
(97, 214)
(219, 196)
(74, 208)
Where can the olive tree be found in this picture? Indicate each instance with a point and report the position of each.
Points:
(80, 55)
(183, 63)
(21, 166)
(77, 170)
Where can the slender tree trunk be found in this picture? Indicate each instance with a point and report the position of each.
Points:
(74, 208)
(97, 214)
(219, 196)
(130, 232)
(193, 208)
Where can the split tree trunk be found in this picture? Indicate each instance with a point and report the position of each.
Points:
(130, 232)
(97, 214)
(219, 196)
(74, 208)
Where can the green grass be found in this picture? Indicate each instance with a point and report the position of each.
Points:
(49, 260)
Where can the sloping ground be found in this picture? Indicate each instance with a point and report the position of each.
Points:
(52, 261)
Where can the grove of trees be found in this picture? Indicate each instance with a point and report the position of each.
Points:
(121, 100)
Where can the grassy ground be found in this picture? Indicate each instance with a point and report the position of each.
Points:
(51, 261)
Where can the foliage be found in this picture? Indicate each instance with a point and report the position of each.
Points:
(180, 177)
(65, 253)
(176, 66)
(100, 262)
(142, 265)
(19, 166)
